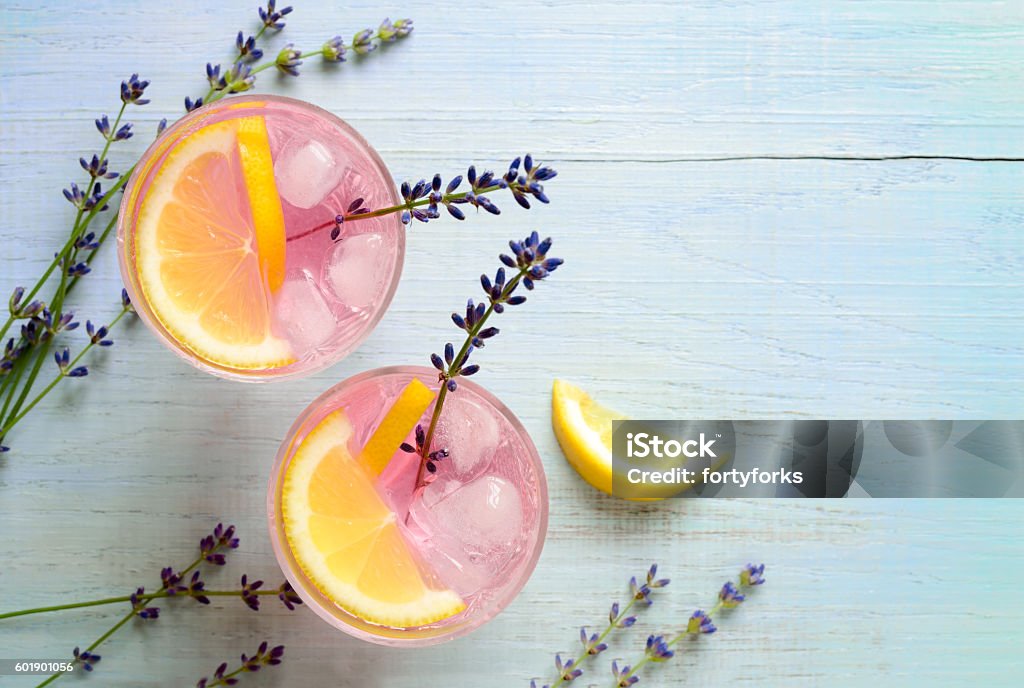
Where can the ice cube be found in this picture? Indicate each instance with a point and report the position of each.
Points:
(305, 173)
(356, 268)
(470, 432)
(471, 533)
(485, 515)
(302, 313)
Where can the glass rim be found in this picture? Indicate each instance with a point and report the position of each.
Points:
(128, 210)
(348, 623)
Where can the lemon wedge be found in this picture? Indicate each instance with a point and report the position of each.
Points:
(584, 430)
(264, 201)
(208, 253)
(401, 418)
(346, 539)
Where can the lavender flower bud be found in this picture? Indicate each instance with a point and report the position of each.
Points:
(363, 42)
(289, 598)
(247, 50)
(289, 59)
(238, 79)
(86, 659)
(657, 649)
(97, 335)
(640, 593)
(403, 27)
(652, 574)
(140, 608)
(730, 597)
(623, 676)
(700, 623)
(567, 670)
(271, 17)
(248, 593)
(387, 32)
(103, 126)
(334, 49)
(132, 90)
(196, 588)
(213, 75)
(752, 575)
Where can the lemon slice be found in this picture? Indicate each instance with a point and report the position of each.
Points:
(584, 430)
(346, 539)
(264, 201)
(397, 424)
(209, 246)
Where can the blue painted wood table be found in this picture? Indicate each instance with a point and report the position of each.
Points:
(779, 209)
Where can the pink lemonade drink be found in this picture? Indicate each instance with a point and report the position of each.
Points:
(226, 244)
(380, 559)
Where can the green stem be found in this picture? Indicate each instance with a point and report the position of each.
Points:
(447, 198)
(430, 432)
(455, 367)
(40, 353)
(671, 643)
(99, 241)
(611, 626)
(127, 617)
(15, 416)
(43, 350)
(76, 232)
(127, 598)
(257, 36)
(636, 667)
(62, 607)
(223, 681)
(99, 641)
(714, 610)
(11, 381)
(215, 94)
(103, 156)
(78, 225)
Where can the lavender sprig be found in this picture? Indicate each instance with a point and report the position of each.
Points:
(33, 346)
(618, 618)
(23, 356)
(240, 75)
(85, 659)
(532, 265)
(265, 656)
(212, 549)
(43, 326)
(194, 588)
(659, 647)
(422, 201)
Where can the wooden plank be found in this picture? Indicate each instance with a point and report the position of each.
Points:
(746, 288)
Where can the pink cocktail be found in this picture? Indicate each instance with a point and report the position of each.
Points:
(226, 238)
(473, 534)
